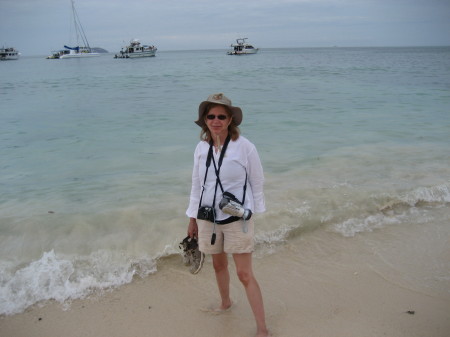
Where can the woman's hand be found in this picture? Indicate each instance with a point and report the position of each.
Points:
(192, 228)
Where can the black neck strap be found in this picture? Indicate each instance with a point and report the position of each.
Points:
(217, 169)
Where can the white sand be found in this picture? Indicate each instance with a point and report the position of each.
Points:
(320, 284)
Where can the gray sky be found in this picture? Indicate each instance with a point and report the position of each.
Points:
(36, 27)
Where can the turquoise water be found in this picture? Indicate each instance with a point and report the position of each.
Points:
(96, 154)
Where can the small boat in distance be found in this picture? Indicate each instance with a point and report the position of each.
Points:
(135, 50)
(242, 48)
(57, 54)
(9, 54)
(77, 51)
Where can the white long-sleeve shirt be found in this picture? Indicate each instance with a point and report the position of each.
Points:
(241, 156)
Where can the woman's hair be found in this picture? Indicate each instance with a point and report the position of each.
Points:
(233, 129)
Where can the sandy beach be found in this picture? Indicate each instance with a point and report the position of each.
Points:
(318, 284)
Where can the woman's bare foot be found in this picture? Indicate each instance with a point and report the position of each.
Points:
(264, 333)
(220, 309)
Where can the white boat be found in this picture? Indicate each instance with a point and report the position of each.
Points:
(58, 53)
(77, 51)
(9, 54)
(135, 50)
(242, 48)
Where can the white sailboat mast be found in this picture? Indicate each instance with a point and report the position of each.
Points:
(79, 31)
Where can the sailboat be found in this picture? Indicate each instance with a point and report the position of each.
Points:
(77, 51)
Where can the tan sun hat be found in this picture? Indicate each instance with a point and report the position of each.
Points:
(219, 99)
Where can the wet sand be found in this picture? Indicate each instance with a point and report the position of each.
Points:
(318, 284)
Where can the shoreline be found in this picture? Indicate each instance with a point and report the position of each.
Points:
(318, 284)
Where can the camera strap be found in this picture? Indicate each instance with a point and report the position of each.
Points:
(219, 183)
(208, 164)
(217, 168)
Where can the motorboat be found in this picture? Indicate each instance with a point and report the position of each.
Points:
(135, 50)
(9, 54)
(242, 48)
(58, 53)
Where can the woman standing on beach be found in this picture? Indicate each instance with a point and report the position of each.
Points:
(227, 186)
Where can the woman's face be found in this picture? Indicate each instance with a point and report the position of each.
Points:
(217, 121)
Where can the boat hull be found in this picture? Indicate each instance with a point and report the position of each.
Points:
(135, 55)
(78, 55)
(244, 52)
(9, 58)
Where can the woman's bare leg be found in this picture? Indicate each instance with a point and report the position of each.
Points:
(245, 273)
(220, 263)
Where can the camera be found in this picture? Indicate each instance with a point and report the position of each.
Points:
(205, 213)
(231, 205)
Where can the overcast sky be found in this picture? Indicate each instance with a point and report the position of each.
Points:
(36, 27)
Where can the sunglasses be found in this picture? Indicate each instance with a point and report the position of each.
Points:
(221, 117)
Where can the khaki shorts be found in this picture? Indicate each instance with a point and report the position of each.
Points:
(229, 238)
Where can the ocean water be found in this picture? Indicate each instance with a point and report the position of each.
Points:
(96, 156)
